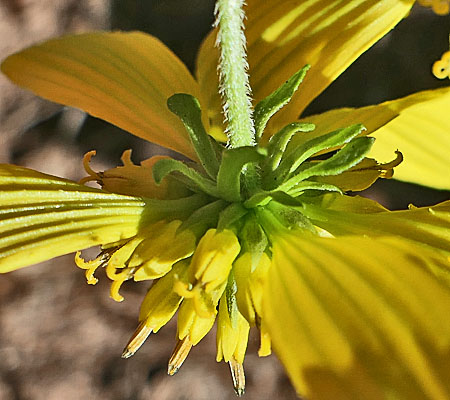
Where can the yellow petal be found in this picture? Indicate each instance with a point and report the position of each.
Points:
(191, 325)
(428, 226)
(161, 249)
(417, 125)
(356, 318)
(231, 340)
(422, 134)
(242, 273)
(137, 180)
(362, 175)
(43, 217)
(161, 302)
(250, 284)
(213, 258)
(283, 36)
(123, 78)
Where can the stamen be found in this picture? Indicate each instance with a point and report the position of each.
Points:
(91, 279)
(118, 279)
(385, 169)
(138, 338)
(111, 273)
(237, 373)
(114, 290)
(90, 266)
(126, 158)
(92, 175)
(180, 353)
(183, 289)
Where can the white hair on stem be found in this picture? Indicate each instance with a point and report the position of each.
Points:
(233, 66)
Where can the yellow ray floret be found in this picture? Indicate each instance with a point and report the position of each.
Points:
(43, 217)
(346, 314)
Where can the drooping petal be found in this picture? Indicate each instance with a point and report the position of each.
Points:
(417, 125)
(283, 36)
(137, 180)
(356, 318)
(123, 78)
(44, 216)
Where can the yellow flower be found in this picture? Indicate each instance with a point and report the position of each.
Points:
(440, 7)
(441, 68)
(350, 294)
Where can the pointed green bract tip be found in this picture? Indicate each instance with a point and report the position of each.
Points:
(267, 107)
(187, 108)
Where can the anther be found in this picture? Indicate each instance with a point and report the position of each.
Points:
(180, 353)
(138, 338)
(238, 376)
(92, 175)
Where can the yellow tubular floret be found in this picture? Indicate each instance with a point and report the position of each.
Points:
(213, 258)
(161, 302)
(158, 307)
(196, 320)
(249, 295)
(231, 340)
(191, 324)
(162, 248)
(132, 179)
(208, 270)
(250, 284)
(242, 274)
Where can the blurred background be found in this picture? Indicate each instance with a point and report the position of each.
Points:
(62, 339)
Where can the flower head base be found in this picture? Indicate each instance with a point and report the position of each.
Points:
(212, 262)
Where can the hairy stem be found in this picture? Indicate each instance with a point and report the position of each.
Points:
(235, 88)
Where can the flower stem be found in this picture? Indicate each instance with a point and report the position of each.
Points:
(235, 87)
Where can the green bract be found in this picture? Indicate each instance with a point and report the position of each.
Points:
(242, 180)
